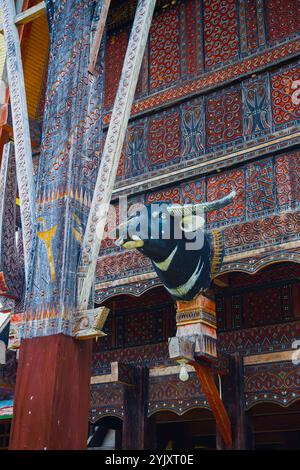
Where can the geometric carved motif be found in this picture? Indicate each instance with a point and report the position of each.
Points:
(284, 110)
(164, 138)
(193, 129)
(165, 195)
(135, 148)
(221, 37)
(251, 19)
(116, 46)
(220, 185)
(276, 383)
(171, 394)
(224, 117)
(261, 308)
(257, 106)
(259, 339)
(260, 187)
(193, 192)
(267, 231)
(106, 400)
(149, 355)
(164, 49)
(288, 179)
(282, 19)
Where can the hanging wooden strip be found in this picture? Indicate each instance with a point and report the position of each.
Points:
(20, 125)
(113, 147)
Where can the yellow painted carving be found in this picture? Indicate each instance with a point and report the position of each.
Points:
(77, 233)
(46, 237)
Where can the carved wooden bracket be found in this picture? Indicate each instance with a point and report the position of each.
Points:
(89, 323)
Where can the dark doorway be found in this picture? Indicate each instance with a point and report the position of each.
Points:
(196, 429)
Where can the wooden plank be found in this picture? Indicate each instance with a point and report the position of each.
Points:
(28, 15)
(98, 36)
(272, 357)
(113, 148)
(23, 151)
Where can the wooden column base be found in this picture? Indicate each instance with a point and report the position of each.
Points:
(52, 395)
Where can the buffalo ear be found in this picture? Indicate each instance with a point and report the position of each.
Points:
(191, 223)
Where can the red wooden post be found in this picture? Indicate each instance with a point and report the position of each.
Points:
(52, 394)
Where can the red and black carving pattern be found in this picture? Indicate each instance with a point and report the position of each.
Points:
(193, 129)
(193, 192)
(268, 274)
(288, 179)
(171, 394)
(136, 148)
(260, 339)
(170, 195)
(282, 18)
(224, 117)
(251, 19)
(122, 265)
(106, 400)
(284, 111)
(219, 186)
(220, 31)
(148, 355)
(277, 383)
(164, 49)
(116, 46)
(260, 188)
(164, 138)
(191, 35)
(262, 308)
(267, 231)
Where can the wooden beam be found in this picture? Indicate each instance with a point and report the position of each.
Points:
(217, 407)
(20, 119)
(98, 36)
(112, 149)
(120, 373)
(281, 356)
(28, 15)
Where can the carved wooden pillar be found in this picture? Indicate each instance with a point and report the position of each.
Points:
(138, 430)
(232, 390)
